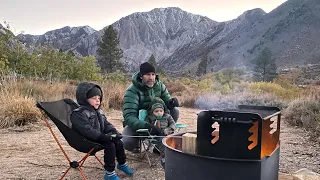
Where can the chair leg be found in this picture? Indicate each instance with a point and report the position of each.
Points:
(65, 173)
(159, 158)
(54, 136)
(81, 162)
(99, 161)
(141, 144)
(82, 174)
(146, 153)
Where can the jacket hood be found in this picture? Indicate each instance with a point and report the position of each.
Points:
(81, 93)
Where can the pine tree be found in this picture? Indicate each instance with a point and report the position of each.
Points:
(265, 66)
(202, 66)
(109, 51)
(152, 60)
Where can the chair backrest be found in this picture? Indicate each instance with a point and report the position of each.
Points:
(59, 112)
(143, 114)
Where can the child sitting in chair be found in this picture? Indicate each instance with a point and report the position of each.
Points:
(161, 119)
(158, 117)
(90, 121)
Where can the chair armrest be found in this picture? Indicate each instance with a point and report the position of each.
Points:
(142, 131)
(181, 125)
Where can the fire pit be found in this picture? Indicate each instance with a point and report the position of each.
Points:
(234, 144)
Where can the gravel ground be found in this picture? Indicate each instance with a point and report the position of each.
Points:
(31, 153)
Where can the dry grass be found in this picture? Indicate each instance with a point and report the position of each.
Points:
(17, 111)
(305, 112)
(188, 99)
(39, 90)
(18, 98)
(175, 87)
(113, 95)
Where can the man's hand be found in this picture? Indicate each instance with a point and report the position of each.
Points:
(154, 130)
(173, 103)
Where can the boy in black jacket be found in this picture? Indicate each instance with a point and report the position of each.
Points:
(90, 121)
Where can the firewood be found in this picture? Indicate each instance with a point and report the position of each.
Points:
(189, 143)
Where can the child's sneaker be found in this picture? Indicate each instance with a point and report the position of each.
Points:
(125, 168)
(111, 175)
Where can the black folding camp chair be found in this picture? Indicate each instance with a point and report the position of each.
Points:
(59, 112)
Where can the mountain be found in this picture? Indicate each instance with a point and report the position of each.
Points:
(178, 39)
(291, 31)
(66, 38)
(160, 32)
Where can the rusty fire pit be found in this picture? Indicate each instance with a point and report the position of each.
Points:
(234, 144)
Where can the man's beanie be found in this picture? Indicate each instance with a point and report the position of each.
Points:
(146, 68)
(93, 92)
(156, 105)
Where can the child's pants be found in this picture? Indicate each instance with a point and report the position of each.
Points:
(113, 149)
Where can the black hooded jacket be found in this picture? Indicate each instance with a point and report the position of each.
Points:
(87, 121)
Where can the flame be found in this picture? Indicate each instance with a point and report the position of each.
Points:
(269, 142)
(170, 142)
(175, 143)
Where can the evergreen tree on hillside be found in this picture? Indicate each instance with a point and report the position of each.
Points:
(109, 51)
(152, 60)
(265, 66)
(202, 66)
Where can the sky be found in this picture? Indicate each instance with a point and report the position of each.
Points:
(39, 16)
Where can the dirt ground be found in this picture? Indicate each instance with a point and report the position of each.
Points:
(31, 153)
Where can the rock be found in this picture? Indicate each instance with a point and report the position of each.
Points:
(305, 174)
(2, 31)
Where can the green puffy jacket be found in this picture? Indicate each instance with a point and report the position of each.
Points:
(138, 96)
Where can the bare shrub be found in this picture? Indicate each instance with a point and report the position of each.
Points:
(305, 112)
(17, 111)
(175, 86)
(113, 95)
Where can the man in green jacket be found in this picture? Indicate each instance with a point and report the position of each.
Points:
(144, 88)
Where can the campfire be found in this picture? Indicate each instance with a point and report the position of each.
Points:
(233, 144)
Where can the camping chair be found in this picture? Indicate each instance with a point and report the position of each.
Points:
(59, 112)
(148, 143)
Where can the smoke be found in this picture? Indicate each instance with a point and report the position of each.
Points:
(219, 101)
(215, 102)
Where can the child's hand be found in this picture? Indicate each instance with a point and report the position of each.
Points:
(167, 131)
(118, 136)
(105, 137)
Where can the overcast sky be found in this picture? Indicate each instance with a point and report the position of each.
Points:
(40, 16)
